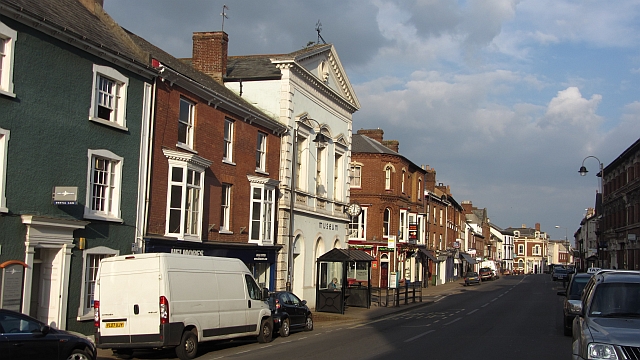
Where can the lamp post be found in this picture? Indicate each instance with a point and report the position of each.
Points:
(566, 242)
(583, 172)
(321, 139)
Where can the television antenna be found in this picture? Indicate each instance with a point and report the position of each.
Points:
(224, 14)
(318, 29)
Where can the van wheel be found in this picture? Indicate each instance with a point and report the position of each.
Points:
(308, 324)
(285, 330)
(266, 330)
(188, 346)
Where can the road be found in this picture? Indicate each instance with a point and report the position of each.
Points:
(515, 317)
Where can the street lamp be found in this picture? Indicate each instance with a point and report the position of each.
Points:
(321, 140)
(566, 241)
(583, 172)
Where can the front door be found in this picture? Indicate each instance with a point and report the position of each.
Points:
(49, 292)
(384, 274)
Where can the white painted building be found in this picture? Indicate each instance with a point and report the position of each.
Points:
(308, 90)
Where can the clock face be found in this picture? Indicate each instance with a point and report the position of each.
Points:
(354, 209)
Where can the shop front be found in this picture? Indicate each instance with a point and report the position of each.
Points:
(261, 260)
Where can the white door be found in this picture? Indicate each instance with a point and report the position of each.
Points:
(49, 288)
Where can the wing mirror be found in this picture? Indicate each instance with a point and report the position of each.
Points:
(265, 293)
(575, 307)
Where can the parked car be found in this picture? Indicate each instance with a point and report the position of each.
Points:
(608, 317)
(471, 277)
(289, 313)
(506, 272)
(572, 294)
(559, 274)
(486, 274)
(23, 337)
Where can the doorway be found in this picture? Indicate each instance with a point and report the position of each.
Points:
(384, 271)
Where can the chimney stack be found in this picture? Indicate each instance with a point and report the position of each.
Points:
(375, 134)
(392, 144)
(210, 50)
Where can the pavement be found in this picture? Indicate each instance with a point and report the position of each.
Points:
(430, 295)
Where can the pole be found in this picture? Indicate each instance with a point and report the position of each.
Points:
(294, 140)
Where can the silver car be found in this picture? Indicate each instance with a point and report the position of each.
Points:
(607, 322)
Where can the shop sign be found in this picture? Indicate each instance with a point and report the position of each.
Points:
(187, 252)
(413, 231)
(328, 226)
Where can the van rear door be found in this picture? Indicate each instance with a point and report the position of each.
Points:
(129, 299)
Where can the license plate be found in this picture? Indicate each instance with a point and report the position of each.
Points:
(111, 325)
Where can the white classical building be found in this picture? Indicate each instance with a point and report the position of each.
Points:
(308, 90)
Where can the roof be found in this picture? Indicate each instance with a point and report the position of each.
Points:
(262, 67)
(365, 145)
(342, 255)
(204, 80)
(77, 24)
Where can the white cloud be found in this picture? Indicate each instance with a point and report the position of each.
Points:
(570, 108)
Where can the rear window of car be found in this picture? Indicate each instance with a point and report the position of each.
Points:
(578, 284)
(472, 273)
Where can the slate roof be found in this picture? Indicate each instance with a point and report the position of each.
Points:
(364, 144)
(72, 18)
(260, 67)
(203, 79)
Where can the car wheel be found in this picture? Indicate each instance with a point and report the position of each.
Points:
(308, 324)
(188, 347)
(285, 330)
(266, 330)
(79, 354)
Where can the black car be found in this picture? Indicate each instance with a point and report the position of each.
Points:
(560, 274)
(471, 277)
(23, 337)
(289, 313)
(572, 294)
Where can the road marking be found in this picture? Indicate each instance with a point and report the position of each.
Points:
(472, 311)
(440, 298)
(419, 336)
(451, 322)
(485, 305)
(494, 299)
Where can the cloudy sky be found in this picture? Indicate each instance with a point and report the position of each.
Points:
(504, 98)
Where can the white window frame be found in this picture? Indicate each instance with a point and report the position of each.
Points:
(403, 226)
(321, 164)
(262, 210)
(386, 214)
(190, 162)
(387, 177)
(229, 129)
(338, 165)
(441, 217)
(225, 209)
(520, 249)
(188, 123)
(86, 291)
(114, 186)
(537, 250)
(421, 229)
(301, 162)
(8, 37)
(4, 150)
(420, 195)
(404, 173)
(119, 119)
(356, 176)
(358, 226)
(261, 152)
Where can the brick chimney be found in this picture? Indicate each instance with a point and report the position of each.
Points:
(375, 134)
(430, 179)
(210, 50)
(538, 227)
(392, 144)
(467, 206)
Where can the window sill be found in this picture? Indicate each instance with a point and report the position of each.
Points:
(108, 123)
(186, 147)
(91, 216)
(228, 162)
(4, 210)
(225, 232)
(6, 93)
(260, 171)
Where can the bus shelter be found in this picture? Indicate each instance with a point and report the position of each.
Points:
(343, 278)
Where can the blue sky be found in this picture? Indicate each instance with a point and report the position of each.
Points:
(504, 98)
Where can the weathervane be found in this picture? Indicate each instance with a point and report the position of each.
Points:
(224, 14)
(318, 29)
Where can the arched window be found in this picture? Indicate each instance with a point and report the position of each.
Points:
(386, 222)
(387, 178)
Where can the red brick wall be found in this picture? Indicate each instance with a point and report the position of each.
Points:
(210, 50)
(208, 142)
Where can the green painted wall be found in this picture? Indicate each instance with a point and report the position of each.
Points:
(50, 135)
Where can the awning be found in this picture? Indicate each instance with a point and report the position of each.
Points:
(429, 255)
(468, 258)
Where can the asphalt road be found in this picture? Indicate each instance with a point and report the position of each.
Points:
(516, 317)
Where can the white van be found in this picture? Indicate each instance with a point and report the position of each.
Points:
(162, 300)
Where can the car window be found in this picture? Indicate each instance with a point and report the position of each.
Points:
(616, 299)
(284, 298)
(577, 285)
(294, 300)
(10, 323)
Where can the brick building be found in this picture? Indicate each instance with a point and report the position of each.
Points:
(530, 249)
(392, 225)
(214, 165)
(621, 210)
